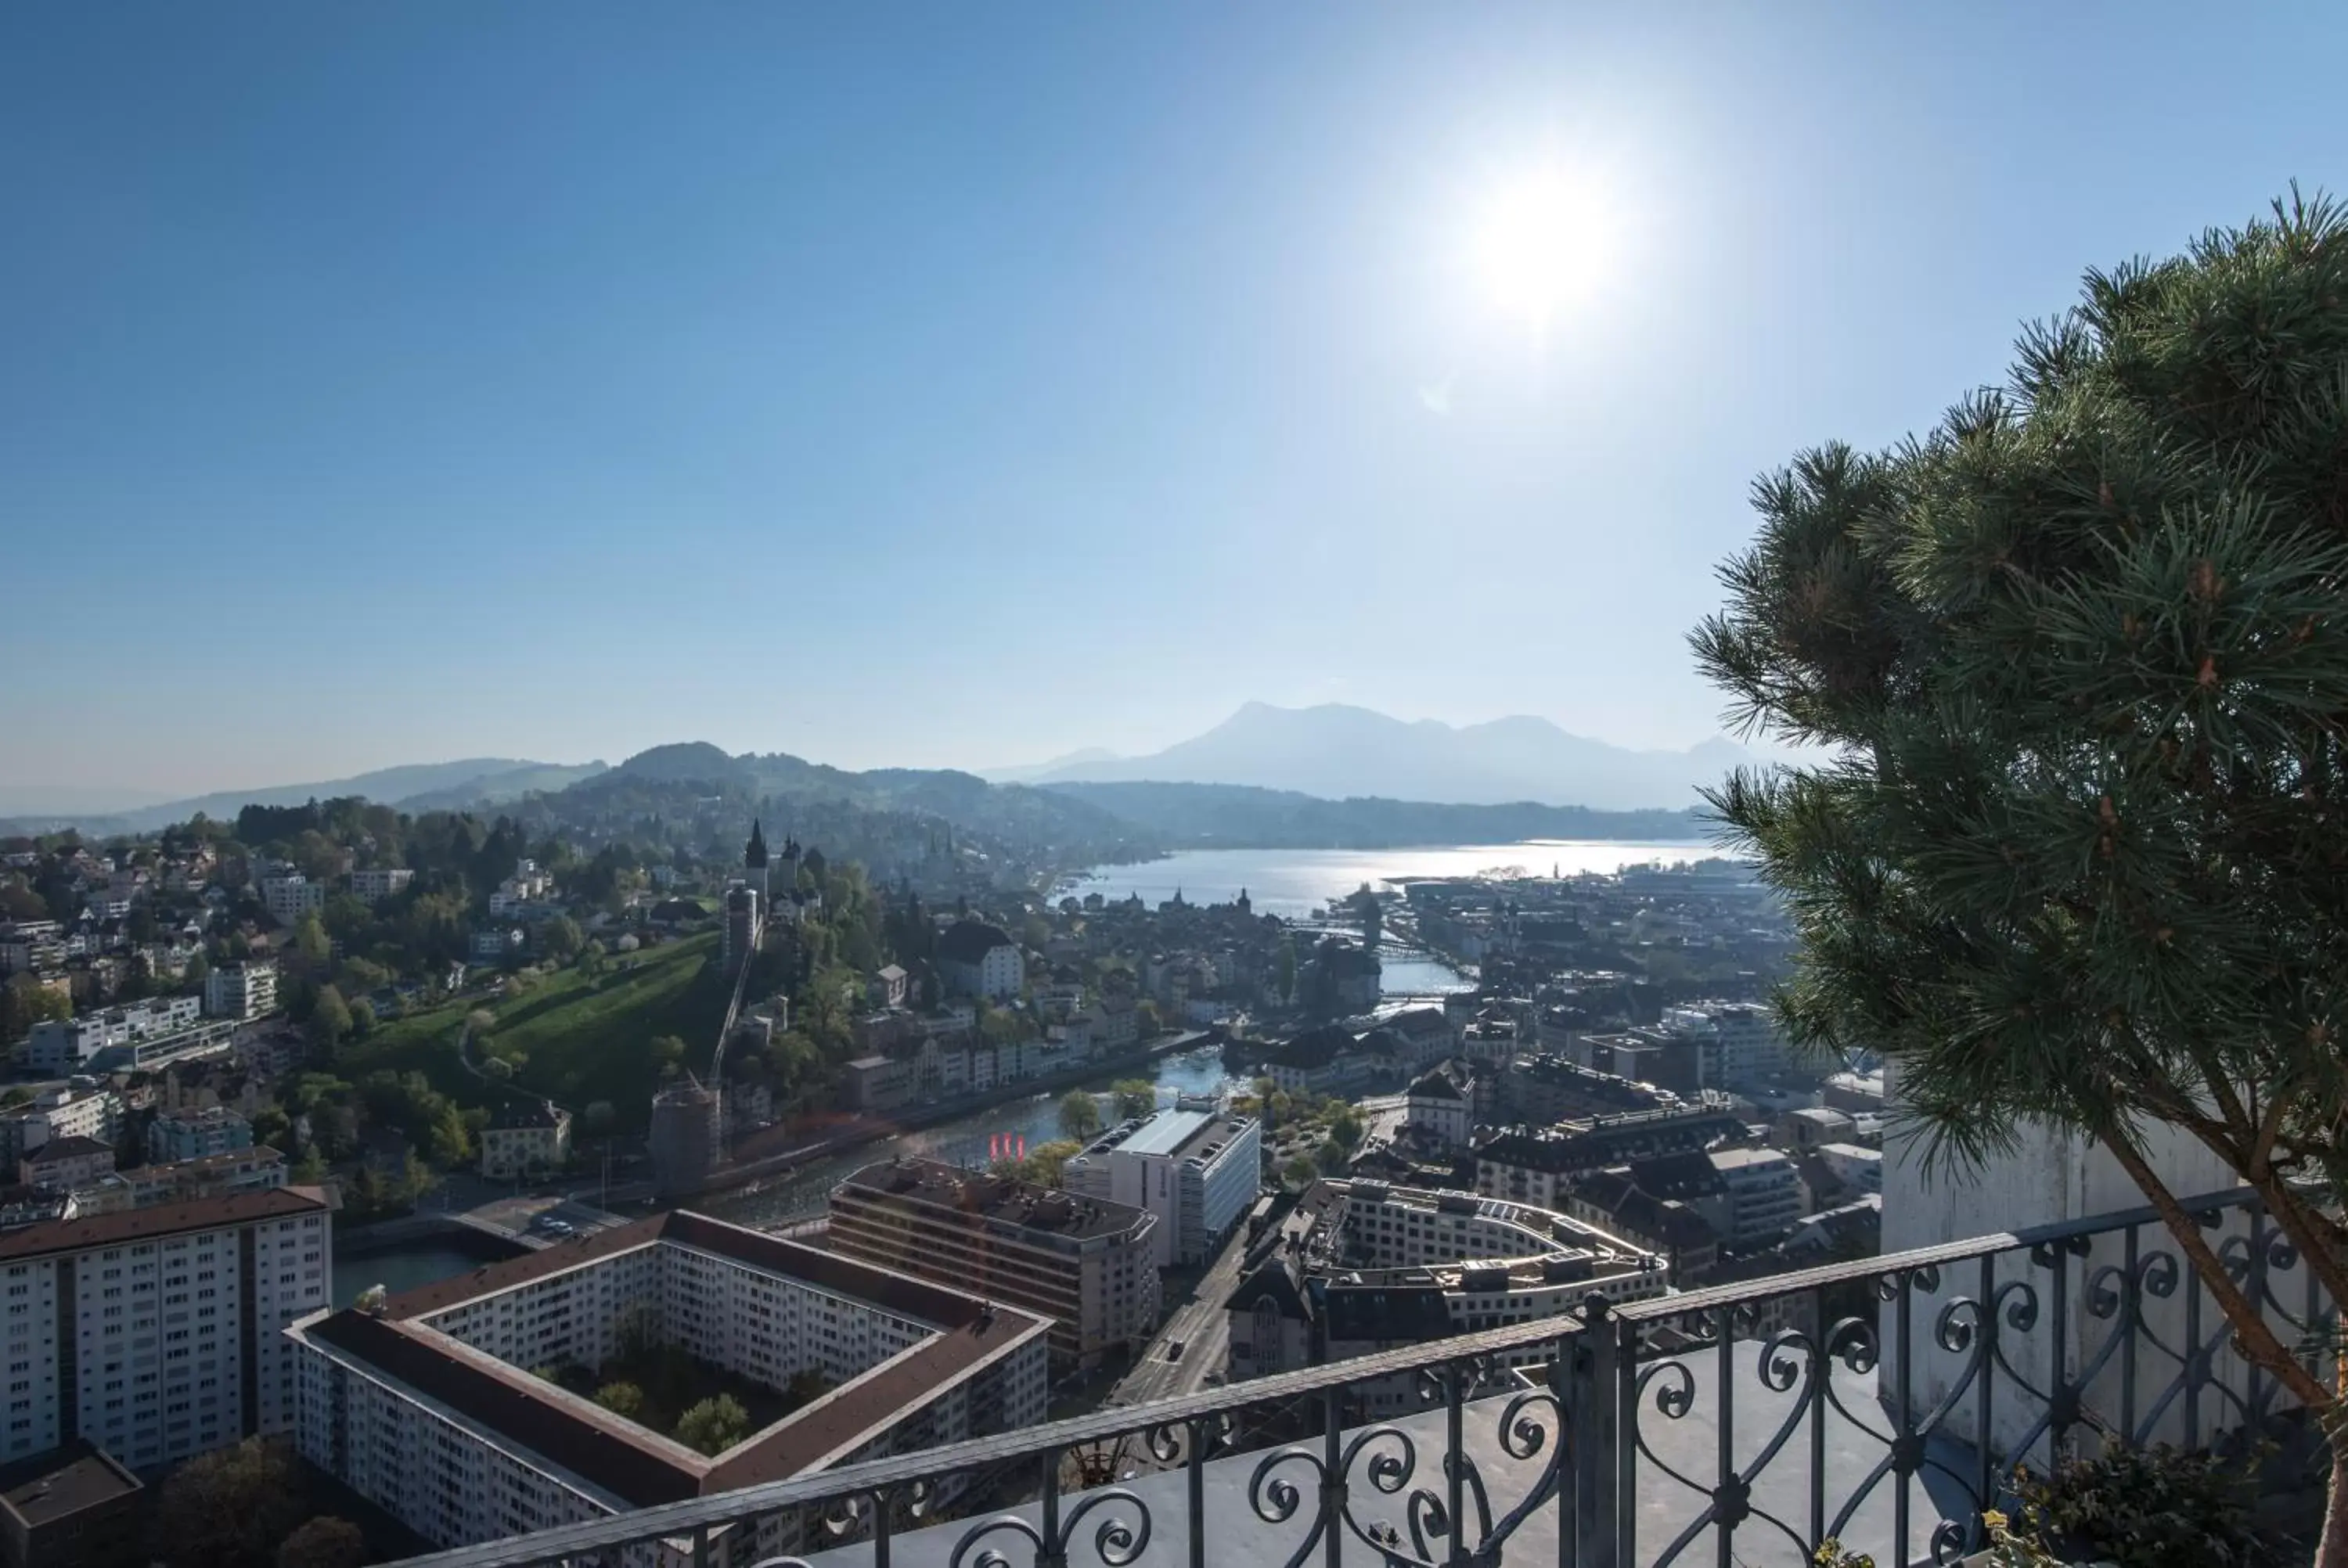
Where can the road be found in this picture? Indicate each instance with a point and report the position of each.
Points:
(1200, 1324)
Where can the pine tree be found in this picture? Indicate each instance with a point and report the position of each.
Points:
(2080, 659)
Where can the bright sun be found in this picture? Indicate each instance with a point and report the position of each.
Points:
(1542, 243)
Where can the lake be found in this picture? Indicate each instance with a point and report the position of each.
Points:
(1295, 883)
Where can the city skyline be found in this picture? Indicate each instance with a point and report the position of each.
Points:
(940, 390)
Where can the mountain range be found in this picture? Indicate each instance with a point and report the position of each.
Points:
(1336, 751)
(413, 786)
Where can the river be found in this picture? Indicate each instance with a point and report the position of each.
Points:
(1295, 883)
(966, 1141)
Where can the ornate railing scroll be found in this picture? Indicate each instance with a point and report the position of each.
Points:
(1887, 1402)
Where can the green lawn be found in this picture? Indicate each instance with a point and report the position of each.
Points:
(586, 1040)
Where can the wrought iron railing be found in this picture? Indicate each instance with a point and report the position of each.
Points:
(1886, 1401)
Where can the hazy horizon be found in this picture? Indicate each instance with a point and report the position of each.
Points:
(928, 386)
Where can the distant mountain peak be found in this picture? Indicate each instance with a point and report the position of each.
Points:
(1337, 751)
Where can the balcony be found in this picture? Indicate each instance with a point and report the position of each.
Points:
(1887, 1402)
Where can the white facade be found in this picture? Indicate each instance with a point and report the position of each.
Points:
(159, 1323)
(2054, 1178)
(241, 991)
(70, 1111)
(1197, 1170)
(386, 882)
(460, 1469)
(1855, 1166)
(288, 898)
(67, 1045)
(1765, 1192)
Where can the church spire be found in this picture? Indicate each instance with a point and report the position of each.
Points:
(754, 853)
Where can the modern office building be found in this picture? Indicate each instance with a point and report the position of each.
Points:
(427, 1406)
(1088, 1264)
(1197, 1171)
(158, 1333)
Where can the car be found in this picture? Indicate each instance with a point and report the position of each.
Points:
(1174, 1348)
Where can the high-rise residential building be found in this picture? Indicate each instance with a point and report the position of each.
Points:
(1197, 1171)
(1088, 1264)
(158, 1333)
(427, 1406)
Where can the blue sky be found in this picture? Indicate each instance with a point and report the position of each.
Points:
(966, 385)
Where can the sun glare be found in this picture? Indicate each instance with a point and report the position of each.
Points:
(1542, 243)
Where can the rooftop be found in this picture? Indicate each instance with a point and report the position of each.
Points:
(47, 1487)
(979, 1196)
(53, 1236)
(1167, 1131)
(627, 1461)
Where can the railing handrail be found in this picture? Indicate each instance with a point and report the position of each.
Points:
(681, 1520)
(1940, 1255)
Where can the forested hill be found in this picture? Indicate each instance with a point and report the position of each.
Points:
(1239, 816)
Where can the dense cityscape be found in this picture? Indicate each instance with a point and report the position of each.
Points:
(903, 786)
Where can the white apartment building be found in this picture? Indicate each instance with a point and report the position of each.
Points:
(976, 960)
(72, 1111)
(241, 991)
(1197, 1171)
(525, 1137)
(1752, 1047)
(289, 898)
(381, 883)
(158, 1333)
(426, 1406)
(67, 1045)
(1765, 1192)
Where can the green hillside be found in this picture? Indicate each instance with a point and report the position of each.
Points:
(580, 1039)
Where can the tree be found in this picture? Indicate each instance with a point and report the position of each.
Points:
(227, 1508)
(1135, 1097)
(26, 1001)
(621, 1399)
(1346, 1129)
(310, 940)
(1080, 1115)
(330, 1018)
(714, 1425)
(361, 1017)
(450, 1144)
(1299, 1171)
(325, 1542)
(1047, 1163)
(2081, 659)
(1285, 974)
(598, 1118)
(561, 938)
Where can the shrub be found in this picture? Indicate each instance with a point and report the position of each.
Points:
(2145, 1508)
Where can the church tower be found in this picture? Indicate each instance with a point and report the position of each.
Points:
(753, 862)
